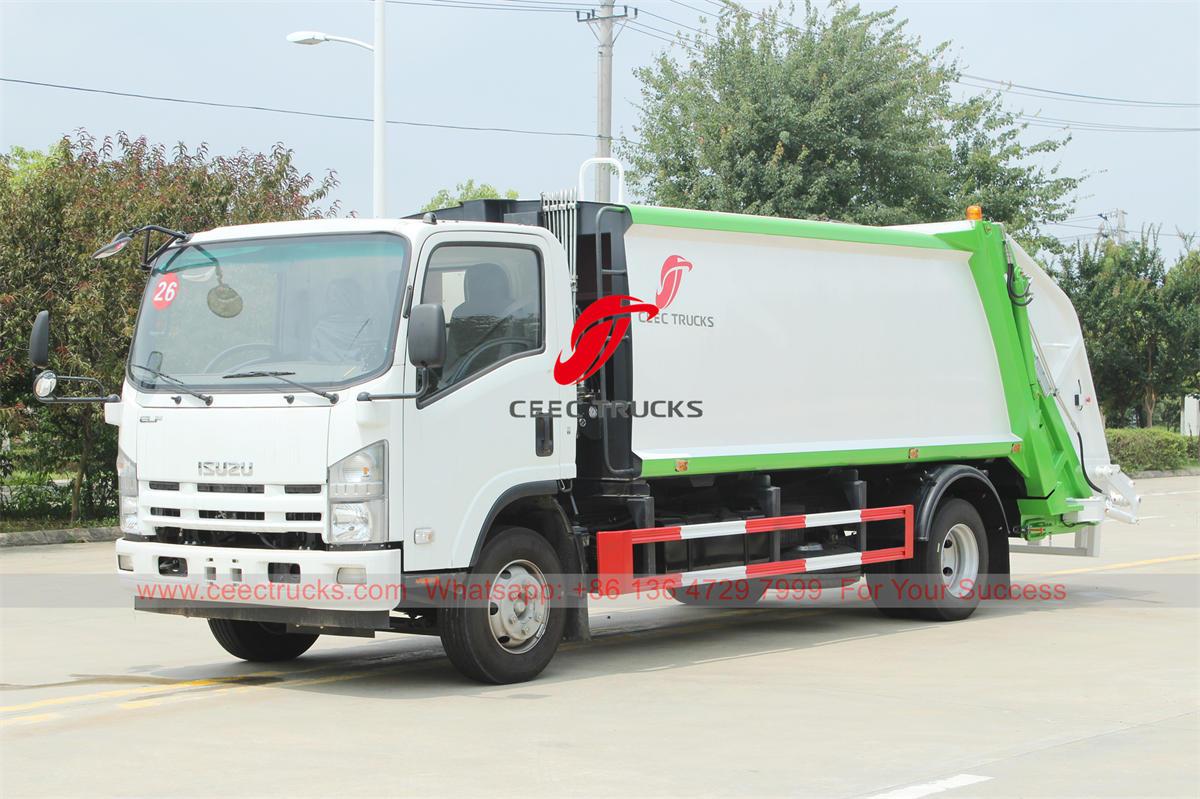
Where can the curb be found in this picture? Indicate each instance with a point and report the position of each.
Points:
(1152, 473)
(78, 535)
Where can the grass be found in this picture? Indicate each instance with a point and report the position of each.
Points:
(51, 523)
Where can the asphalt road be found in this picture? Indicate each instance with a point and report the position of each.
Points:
(1094, 695)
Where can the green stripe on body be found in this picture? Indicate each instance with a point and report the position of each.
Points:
(718, 464)
(772, 226)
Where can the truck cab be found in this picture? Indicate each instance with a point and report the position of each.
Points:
(352, 484)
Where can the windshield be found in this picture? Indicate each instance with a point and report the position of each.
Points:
(322, 309)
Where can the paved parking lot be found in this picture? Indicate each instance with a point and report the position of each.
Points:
(1095, 695)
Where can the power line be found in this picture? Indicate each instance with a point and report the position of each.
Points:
(1152, 103)
(1007, 92)
(467, 5)
(660, 35)
(675, 22)
(297, 112)
(1110, 127)
(697, 10)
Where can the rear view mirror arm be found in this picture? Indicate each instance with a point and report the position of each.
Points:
(422, 388)
(78, 400)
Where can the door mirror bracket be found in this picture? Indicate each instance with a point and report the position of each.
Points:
(423, 384)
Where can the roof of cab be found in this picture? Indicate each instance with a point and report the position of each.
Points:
(414, 229)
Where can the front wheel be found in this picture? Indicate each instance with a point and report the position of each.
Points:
(513, 633)
(260, 642)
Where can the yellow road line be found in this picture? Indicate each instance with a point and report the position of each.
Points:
(1127, 565)
(240, 683)
(32, 719)
(145, 689)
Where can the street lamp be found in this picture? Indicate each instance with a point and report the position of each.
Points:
(379, 117)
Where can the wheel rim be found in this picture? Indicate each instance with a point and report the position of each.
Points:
(960, 560)
(519, 607)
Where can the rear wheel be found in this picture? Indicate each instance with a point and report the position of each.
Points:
(513, 635)
(942, 581)
(260, 642)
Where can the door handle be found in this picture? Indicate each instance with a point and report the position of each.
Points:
(543, 434)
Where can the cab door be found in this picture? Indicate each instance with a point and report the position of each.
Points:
(475, 440)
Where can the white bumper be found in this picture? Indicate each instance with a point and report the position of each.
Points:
(242, 576)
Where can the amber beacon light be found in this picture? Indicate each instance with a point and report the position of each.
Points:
(974, 213)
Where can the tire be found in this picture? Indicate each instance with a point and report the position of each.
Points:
(260, 642)
(941, 582)
(737, 593)
(508, 640)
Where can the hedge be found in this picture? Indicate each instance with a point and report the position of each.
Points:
(1139, 449)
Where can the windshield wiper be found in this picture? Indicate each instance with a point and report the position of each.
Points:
(283, 377)
(175, 381)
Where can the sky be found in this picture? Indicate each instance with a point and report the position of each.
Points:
(536, 70)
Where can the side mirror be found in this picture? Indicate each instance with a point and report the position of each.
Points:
(39, 340)
(427, 335)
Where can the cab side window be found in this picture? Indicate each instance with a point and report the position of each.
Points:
(492, 296)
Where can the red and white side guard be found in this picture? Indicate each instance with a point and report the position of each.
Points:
(614, 548)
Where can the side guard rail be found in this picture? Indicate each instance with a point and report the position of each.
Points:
(614, 549)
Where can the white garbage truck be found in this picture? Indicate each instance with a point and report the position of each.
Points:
(466, 423)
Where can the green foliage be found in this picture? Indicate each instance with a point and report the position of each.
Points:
(842, 117)
(1141, 323)
(467, 191)
(56, 208)
(1139, 449)
(28, 496)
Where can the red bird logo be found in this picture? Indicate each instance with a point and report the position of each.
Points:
(668, 281)
(600, 328)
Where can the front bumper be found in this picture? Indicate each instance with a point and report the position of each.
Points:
(275, 578)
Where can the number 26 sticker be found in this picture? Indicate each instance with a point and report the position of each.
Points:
(165, 291)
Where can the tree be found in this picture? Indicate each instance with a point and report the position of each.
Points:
(56, 208)
(467, 191)
(1139, 322)
(842, 117)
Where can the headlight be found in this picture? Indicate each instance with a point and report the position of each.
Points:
(358, 497)
(127, 488)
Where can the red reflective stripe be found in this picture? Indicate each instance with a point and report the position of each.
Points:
(650, 535)
(775, 523)
(876, 514)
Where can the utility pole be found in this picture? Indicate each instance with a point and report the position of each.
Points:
(603, 23)
(1114, 221)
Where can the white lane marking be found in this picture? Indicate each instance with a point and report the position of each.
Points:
(747, 655)
(929, 788)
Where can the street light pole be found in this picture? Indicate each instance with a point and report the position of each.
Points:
(379, 116)
(379, 105)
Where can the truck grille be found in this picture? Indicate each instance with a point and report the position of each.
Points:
(230, 488)
(258, 515)
(240, 539)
